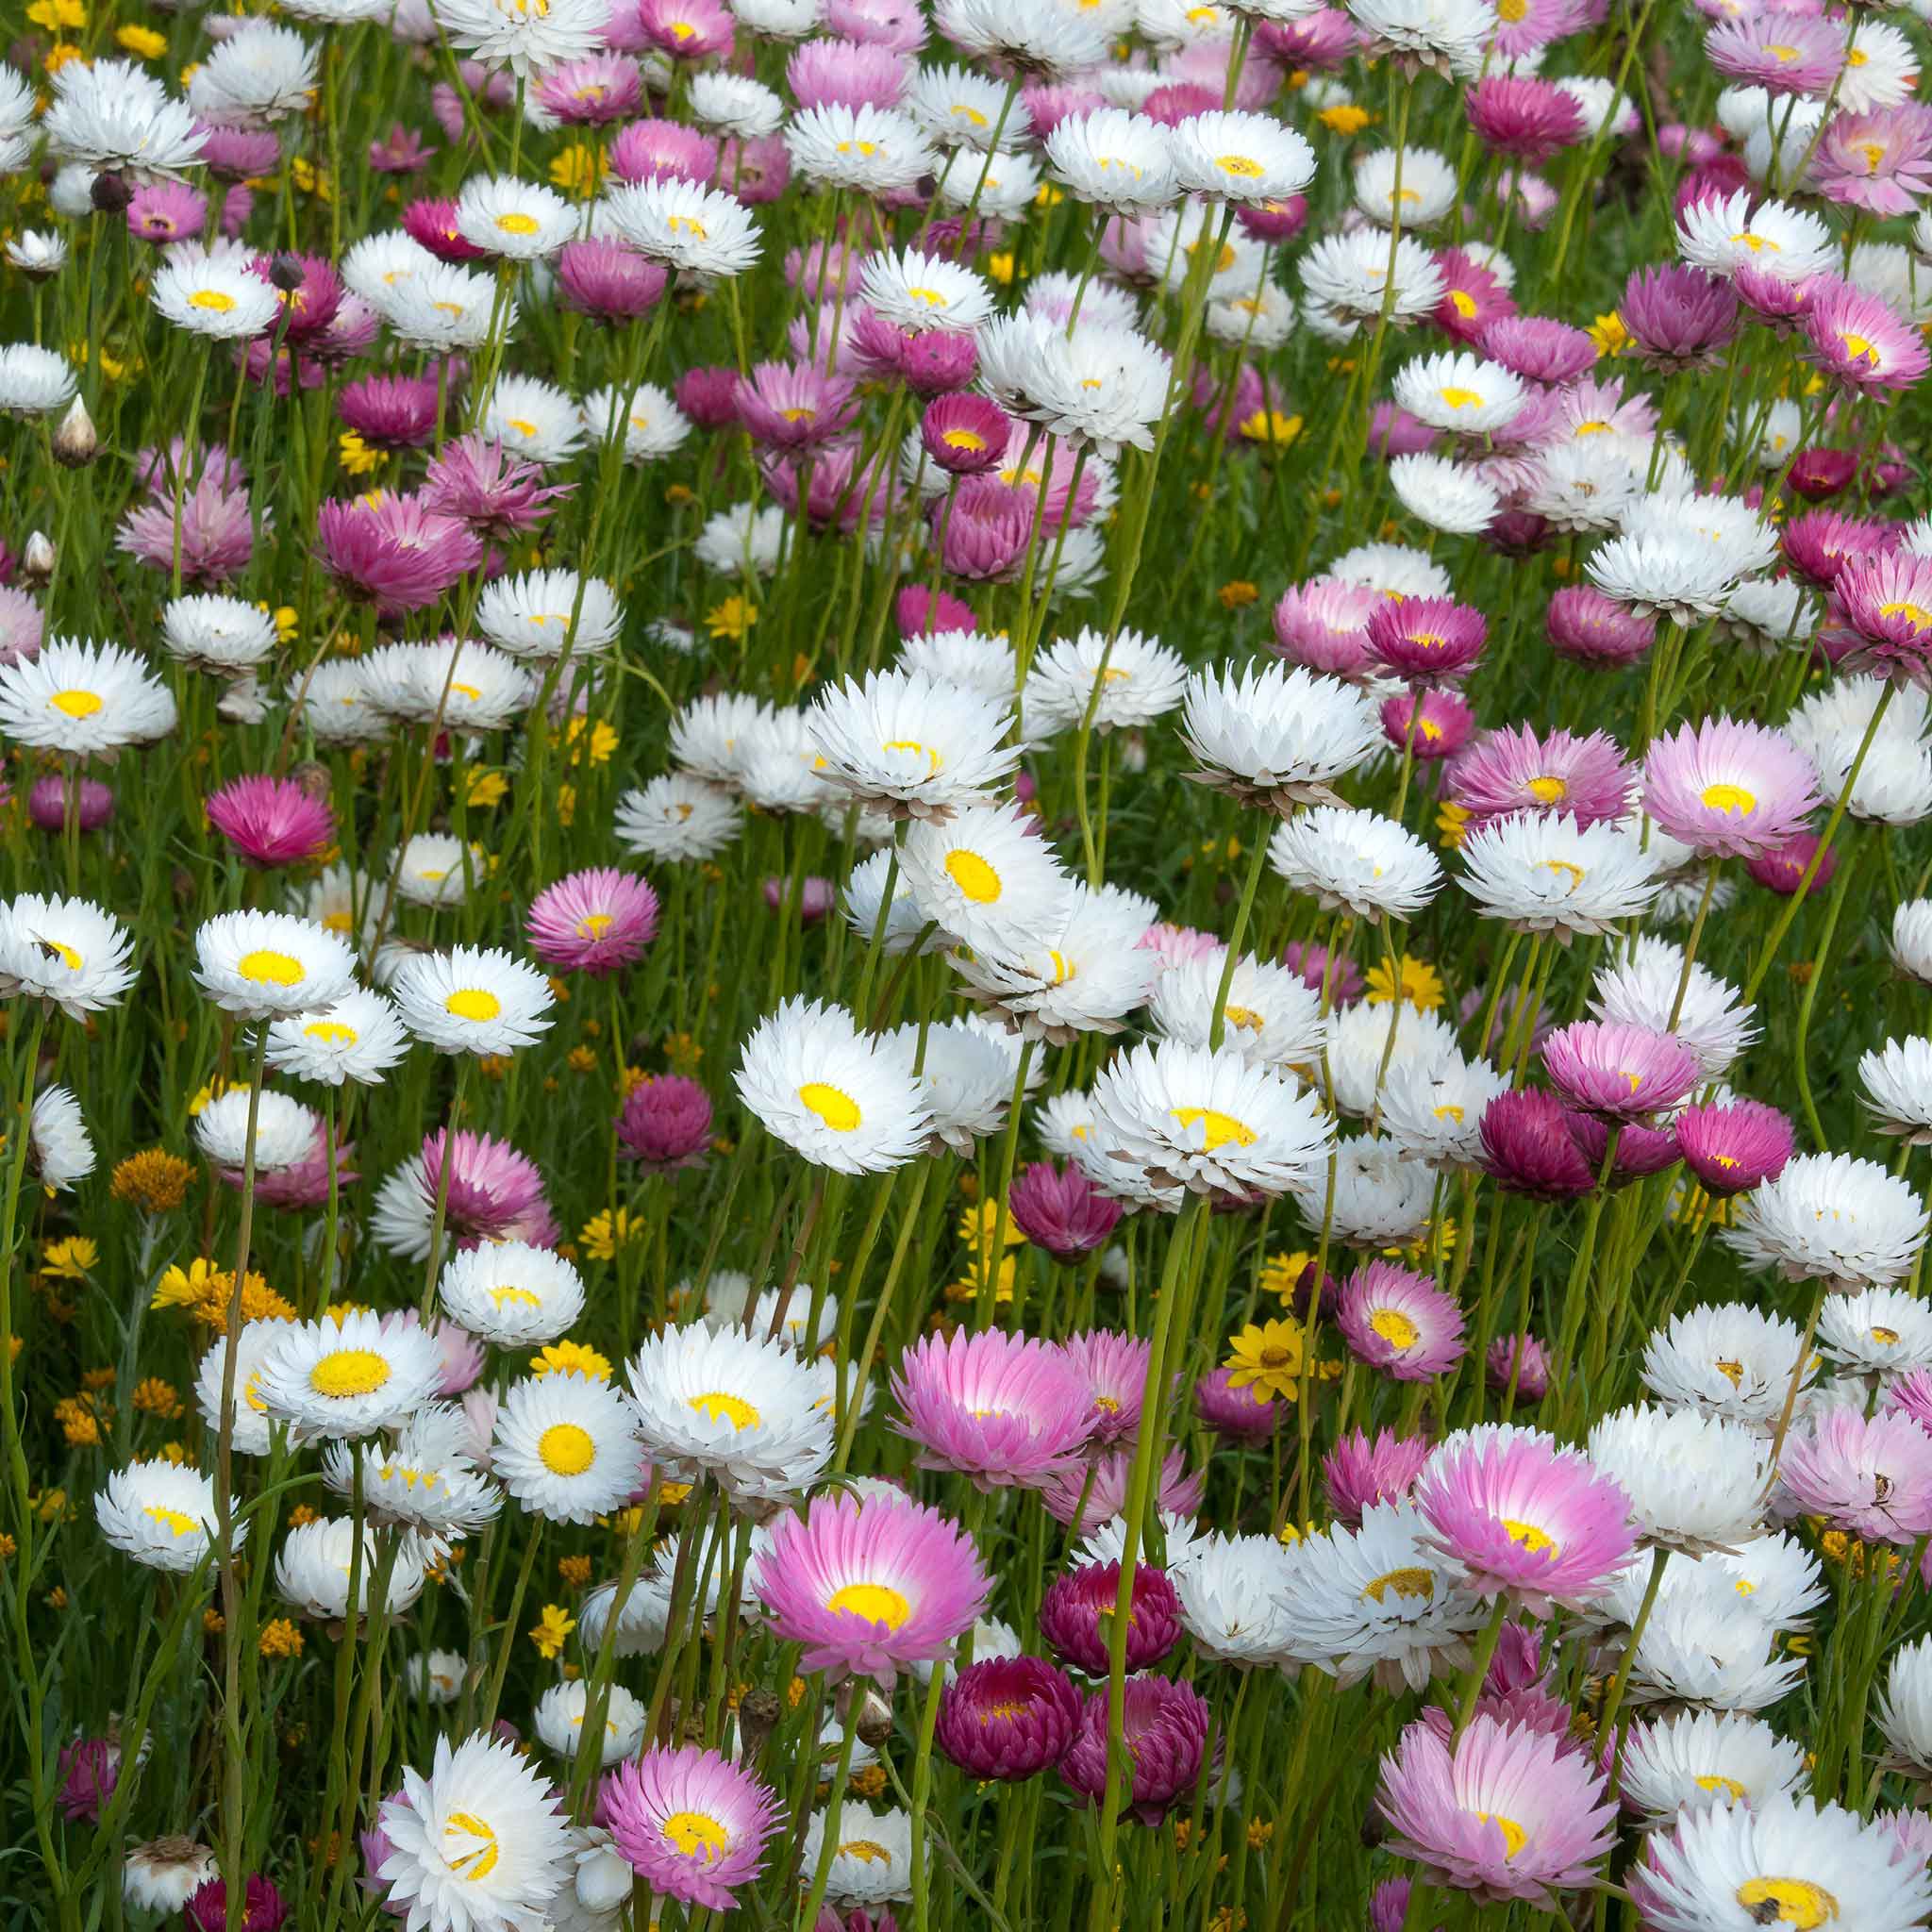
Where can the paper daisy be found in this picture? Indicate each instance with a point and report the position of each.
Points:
(472, 1000)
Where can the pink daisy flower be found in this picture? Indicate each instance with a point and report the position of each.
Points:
(1239, 1415)
(1538, 347)
(270, 822)
(692, 1825)
(1074, 1605)
(1728, 787)
(1886, 603)
(396, 551)
(841, 492)
(1533, 24)
(1062, 1211)
(1513, 770)
(789, 408)
(1881, 161)
(1641, 1151)
(1730, 1149)
(1426, 639)
(896, 23)
(846, 74)
(1910, 1395)
(1524, 1517)
(607, 280)
(666, 1124)
(1324, 625)
(982, 528)
(390, 412)
(1682, 318)
(593, 921)
(1398, 1321)
(1114, 1367)
(495, 494)
(233, 154)
(1341, 977)
(663, 150)
(432, 221)
(494, 1192)
(685, 29)
(1165, 1727)
(1528, 1147)
(868, 1588)
(1822, 545)
(1619, 1071)
(1868, 1475)
(216, 532)
(1529, 119)
(597, 89)
(965, 435)
(164, 212)
(1008, 1718)
(46, 803)
(1782, 868)
(1002, 1408)
(1521, 1360)
(1430, 725)
(1360, 1471)
(1086, 1495)
(1782, 53)
(1472, 296)
(1856, 338)
(1321, 41)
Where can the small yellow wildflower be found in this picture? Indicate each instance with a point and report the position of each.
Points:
(141, 42)
(1281, 1274)
(1452, 824)
(55, 14)
(57, 57)
(571, 1357)
(599, 739)
(1270, 428)
(69, 1259)
(684, 1052)
(605, 1232)
(979, 1221)
(1344, 118)
(1238, 593)
(485, 789)
(1609, 335)
(354, 456)
(78, 1421)
(311, 179)
(1002, 265)
(153, 1180)
(731, 619)
(1267, 1357)
(554, 1625)
(287, 623)
(214, 1090)
(575, 1570)
(580, 1059)
(578, 170)
(280, 1637)
(1422, 985)
(154, 1396)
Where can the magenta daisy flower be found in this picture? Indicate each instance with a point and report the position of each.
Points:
(1075, 1603)
(1505, 1812)
(1061, 1212)
(1360, 1471)
(1619, 1071)
(1524, 1517)
(605, 279)
(1324, 625)
(593, 921)
(590, 92)
(164, 212)
(1472, 296)
(1538, 347)
(686, 30)
(1869, 1476)
(663, 151)
(1246, 1414)
(390, 412)
(493, 493)
(1008, 1718)
(1728, 787)
(1730, 1149)
(46, 803)
(1856, 338)
(1528, 1147)
(1818, 474)
(263, 1908)
(394, 551)
(1881, 161)
(1513, 769)
(846, 74)
(270, 822)
(1426, 639)
(1641, 1151)
(1002, 1408)
(1521, 1360)
(665, 1124)
(1886, 603)
(1165, 1727)
(965, 435)
(1430, 725)
(1909, 1394)
(870, 1588)
(213, 536)
(1590, 628)
(1682, 318)
(1822, 545)
(1319, 41)
(1779, 50)
(1114, 1367)
(1781, 867)
(692, 1825)
(1529, 119)
(787, 406)
(1085, 1495)
(1398, 1321)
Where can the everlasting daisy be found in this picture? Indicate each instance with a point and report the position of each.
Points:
(1275, 735)
(677, 819)
(1697, 1760)
(313, 1571)
(1548, 873)
(1619, 1071)
(1858, 339)
(1728, 787)
(1271, 1014)
(79, 697)
(33, 381)
(1517, 771)
(1089, 974)
(999, 1408)
(1125, 682)
(1869, 1476)
(1398, 1321)
(510, 1293)
(566, 1447)
(470, 1000)
(985, 879)
(912, 746)
(347, 1379)
(1241, 157)
(1833, 1218)
(1354, 858)
(1164, 1723)
(216, 296)
(1695, 1482)
(1008, 1718)
(692, 1825)
(66, 951)
(161, 1514)
(595, 921)
(264, 964)
(1731, 1361)
(1115, 159)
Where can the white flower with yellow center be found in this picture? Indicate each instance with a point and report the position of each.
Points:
(872, 1865)
(482, 1844)
(1277, 735)
(984, 878)
(563, 1709)
(1694, 1759)
(1063, 1122)
(285, 1130)
(435, 1675)
(1543, 873)
(255, 77)
(1435, 1111)
(472, 999)
(1241, 157)
(676, 818)
(161, 1514)
(435, 869)
(1726, 1360)
(319, 1561)
(1086, 974)
(918, 293)
(917, 748)
(869, 149)
(68, 951)
(1362, 1058)
(262, 964)
(348, 1378)
(735, 103)
(1169, 1119)
(1832, 1218)
(217, 633)
(965, 1076)
(1880, 1331)
(1381, 1197)
(1355, 859)
(510, 1293)
(566, 1447)
(1348, 274)
(647, 423)
(521, 221)
(1460, 391)
(1126, 681)
(1724, 233)
(250, 1432)
(81, 697)
(710, 735)
(702, 231)
(1263, 318)
(864, 899)
(1272, 1016)
(541, 614)
(534, 419)
(526, 35)
(1425, 194)
(356, 1037)
(33, 381)
(738, 1407)
(1230, 1596)
(440, 306)
(1116, 160)
(957, 107)
(219, 296)
(422, 1482)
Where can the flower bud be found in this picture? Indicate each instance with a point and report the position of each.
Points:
(37, 565)
(75, 444)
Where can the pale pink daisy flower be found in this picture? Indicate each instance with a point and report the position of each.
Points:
(692, 1826)
(1869, 1476)
(1619, 1071)
(1398, 1321)
(1514, 770)
(595, 921)
(1728, 787)
(1001, 1409)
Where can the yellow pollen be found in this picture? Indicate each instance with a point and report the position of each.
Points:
(1395, 1328)
(1732, 800)
(837, 1108)
(216, 300)
(76, 704)
(1874, 152)
(1218, 1129)
(1462, 398)
(1415, 1584)
(973, 876)
(1793, 1901)
(1575, 873)
(593, 925)
(1449, 1111)
(1860, 348)
(1463, 302)
(962, 110)
(687, 225)
(800, 414)
(518, 1297)
(1914, 614)
(1547, 790)
(331, 1033)
(64, 953)
(873, 1603)
(1514, 1837)
(1245, 1018)
(714, 1404)
(867, 148)
(1889, 1337)
(264, 968)
(522, 424)
(173, 1521)
(694, 1835)
(1782, 53)
(472, 692)
(1716, 1781)
(473, 1003)
(457, 310)
(566, 1450)
(1533, 1539)
(913, 745)
(964, 439)
(1063, 968)
(517, 223)
(868, 1850)
(931, 297)
(1733, 1373)
(1596, 427)
(479, 1860)
(349, 1372)
(1239, 165)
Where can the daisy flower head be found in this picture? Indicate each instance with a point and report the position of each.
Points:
(349, 1378)
(1435, 1111)
(1859, 341)
(1240, 157)
(597, 921)
(1445, 495)
(865, 149)
(218, 296)
(1126, 681)
(1275, 735)
(701, 230)
(162, 1514)
(82, 698)
(1695, 1482)
(870, 1588)
(1503, 1812)
(1088, 974)
(260, 965)
(357, 1036)
(66, 951)
(255, 77)
(566, 1446)
(511, 1294)
(1044, 40)
(1000, 1408)
(1524, 1516)
(913, 746)
(1731, 1148)
(1896, 1087)
(1114, 159)
(1696, 1759)
(692, 1825)
(1886, 601)
(831, 1092)
(1727, 1360)
(1169, 1119)
(1381, 1197)
(472, 1000)
(1516, 770)
(1271, 1015)
(1354, 858)
(520, 221)
(558, 1721)
(1165, 1724)
(1905, 1713)
(1881, 1331)
(1832, 1218)
(1868, 1475)
(1359, 1041)
(1459, 391)
(33, 381)
(480, 1844)
(985, 879)
(871, 1865)
(677, 819)
(1548, 873)
(1100, 386)
(1723, 233)
(1008, 1718)
(740, 1406)
(1398, 1321)
(549, 613)
(1648, 987)
(1617, 1071)
(284, 1130)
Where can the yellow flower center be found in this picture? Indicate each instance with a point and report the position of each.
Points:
(875, 1603)
(473, 1003)
(1414, 1584)
(1462, 398)
(349, 1372)
(696, 1835)
(868, 1850)
(566, 1450)
(1887, 1336)
(1716, 1781)
(913, 745)
(1732, 800)
(478, 1859)
(714, 1404)
(866, 148)
(1245, 1018)
(1733, 1373)
(1395, 1328)
(1218, 1129)
(76, 704)
(1914, 614)
(214, 300)
(687, 225)
(1535, 1540)
(1782, 52)
(593, 925)
(517, 223)
(973, 876)
(1514, 1837)
(331, 1032)
(1239, 165)
(1564, 868)
(522, 424)
(962, 110)
(1860, 348)
(837, 1108)
(1463, 302)
(64, 953)
(1794, 1902)
(964, 439)
(1548, 790)
(504, 1295)
(173, 1521)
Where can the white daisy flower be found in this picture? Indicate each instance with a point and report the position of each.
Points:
(866, 149)
(1258, 322)
(1086, 974)
(1445, 495)
(1460, 391)
(1126, 682)
(650, 423)
(566, 1447)
(1896, 1085)
(743, 540)
(33, 381)
(523, 37)
(985, 879)
(472, 1000)
(313, 1568)
(1116, 160)
(1638, 988)
(863, 900)
(217, 633)
(741, 1407)
(114, 114)
(1727, 1361)
(872, 1863)
(965, 1077)
(735, 105)
(917, 292)
(1703, 1646)
(1230, 1592)
(1905, 1712)
(1694, 1759)
(424, 1483)
(1355, 859)
(1544, 873)
(334, 705)
(829, 1091)
(1426, 191)
(1447, 35)
(1100, 386)
(58, 1145)
(215, 295)
(1359, 1043)
(558, 1721)
(284, 1130)
(534, 419)
(162, 1514)
(957, 107)
(1396, 570)
(707, 734)
(916, 748)
(1911, 940)
(82, 698)
(262, 964)
(511, 1294)
(981, 663)
(254, 78)
(1050, 35)
(439, 307)
(1831, 1217)
(1381, 1198)
(435, 1675)
(163, 1875)
(1349, 273)
(434, 868)
(1272, 1016)
(1726, 233)
(1894, 785)
(356, 1037)
(1435, 1111)
(1176, 239)
(1695, 1482)
(677, 819)
(69, 951)
(779, 20)
(1881, 69)
(1878, 1332)
(1776, 1576)
(250, 1431)
(348, 1378)
(1241, 157)
(520, 221)
(1277, 735)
